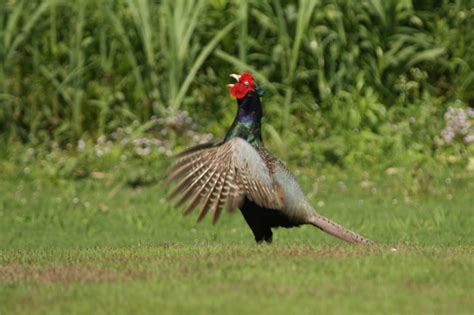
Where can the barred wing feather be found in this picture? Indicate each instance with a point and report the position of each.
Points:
(223, 175)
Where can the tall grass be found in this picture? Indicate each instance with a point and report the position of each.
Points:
(69, 69)
(98, 61)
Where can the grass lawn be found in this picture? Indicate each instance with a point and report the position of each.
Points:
(95, 246)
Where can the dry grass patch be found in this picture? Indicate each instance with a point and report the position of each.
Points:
(14, 273)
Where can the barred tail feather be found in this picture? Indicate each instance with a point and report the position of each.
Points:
(338, 230)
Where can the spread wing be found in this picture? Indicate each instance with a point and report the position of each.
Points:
(223, 176)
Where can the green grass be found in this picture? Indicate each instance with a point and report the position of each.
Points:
(235, 279)
(98, 246)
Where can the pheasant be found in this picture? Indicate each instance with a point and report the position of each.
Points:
(240, 172)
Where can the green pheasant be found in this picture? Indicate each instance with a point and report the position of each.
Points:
(240, 172)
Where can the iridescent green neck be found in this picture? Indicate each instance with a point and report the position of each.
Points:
(247, 122)
(247, 130)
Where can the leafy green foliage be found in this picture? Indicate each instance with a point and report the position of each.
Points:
(343, 78)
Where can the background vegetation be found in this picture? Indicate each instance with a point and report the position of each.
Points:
(349, 83)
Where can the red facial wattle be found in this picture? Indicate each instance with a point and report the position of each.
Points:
(247, 78)
(246, 84)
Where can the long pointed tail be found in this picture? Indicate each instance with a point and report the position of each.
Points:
(338, 231)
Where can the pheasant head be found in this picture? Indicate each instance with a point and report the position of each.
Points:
(245, 84)
(249, 113)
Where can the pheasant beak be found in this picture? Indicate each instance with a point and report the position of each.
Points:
(235, 76)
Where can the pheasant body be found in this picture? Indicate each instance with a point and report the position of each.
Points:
(241, 173)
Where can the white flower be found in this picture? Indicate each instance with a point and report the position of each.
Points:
(81, 145)
(101, 139)
(469, 138)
